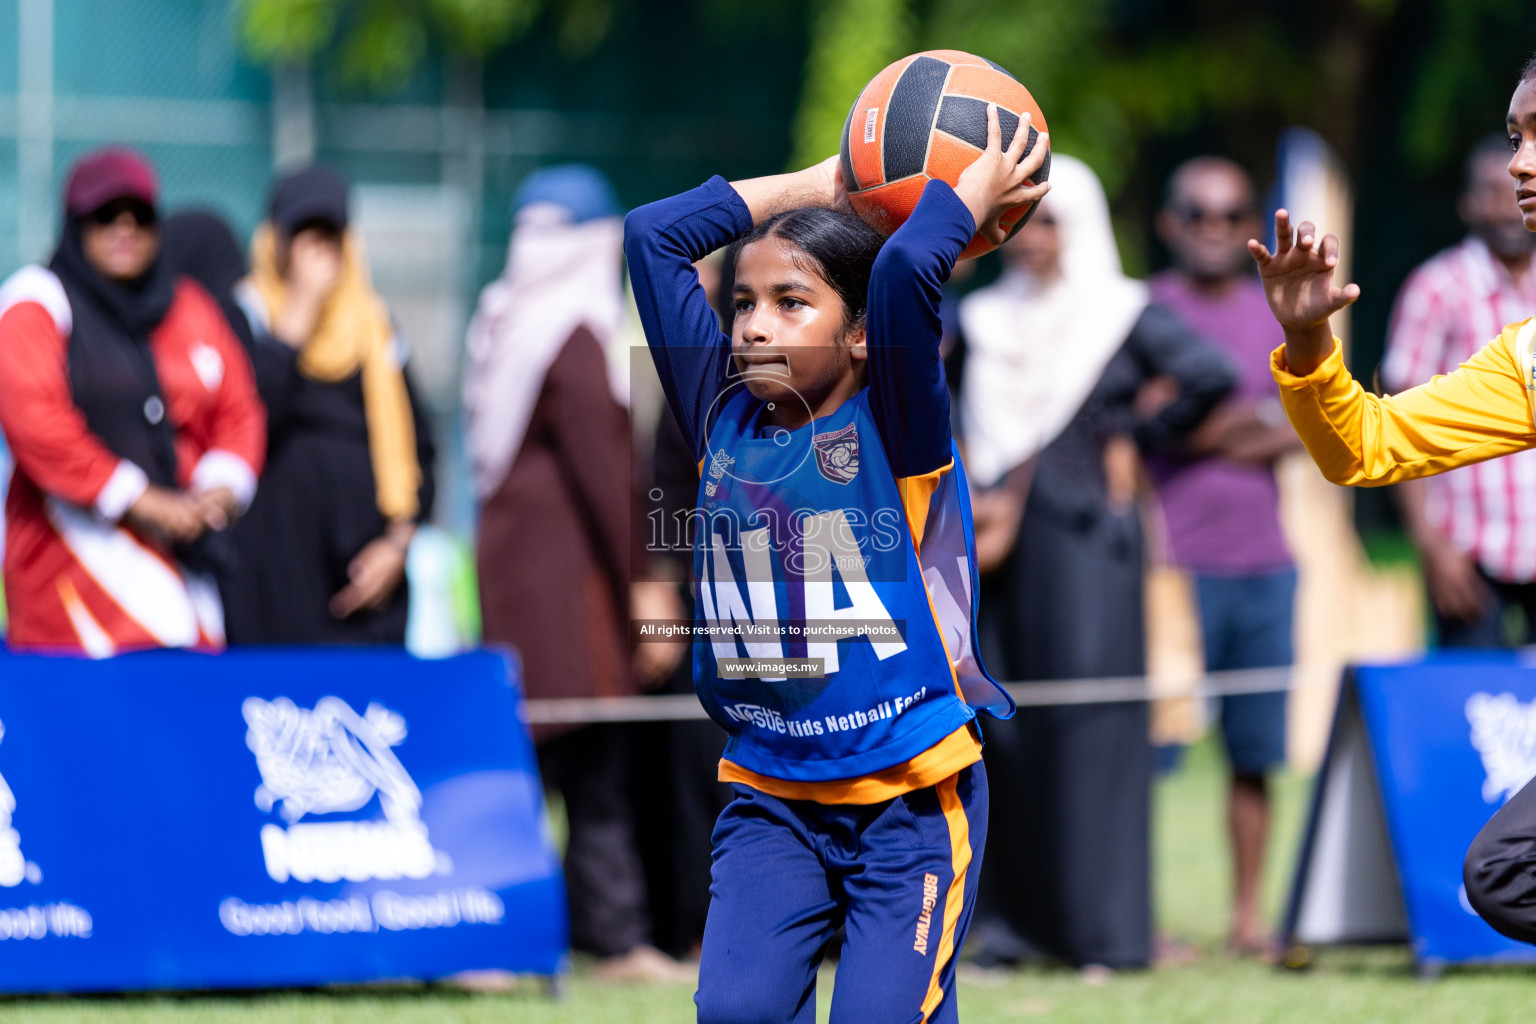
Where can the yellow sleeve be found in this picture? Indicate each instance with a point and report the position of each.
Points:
(1477, 413)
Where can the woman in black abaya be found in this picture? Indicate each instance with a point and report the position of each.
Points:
(1056, 354)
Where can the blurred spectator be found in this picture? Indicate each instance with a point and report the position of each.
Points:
(320, 558)
(201, 245)
(549, 439)
(5, 483)
(1221, 504)
(1475, 528)
(1057, 351)
(136, 430)
(678, 795)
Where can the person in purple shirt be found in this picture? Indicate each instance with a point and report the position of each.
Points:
(1221, 507)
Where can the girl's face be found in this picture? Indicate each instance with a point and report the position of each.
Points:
(1521, 124)
(788, 339)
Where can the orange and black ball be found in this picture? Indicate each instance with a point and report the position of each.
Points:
(925, 117)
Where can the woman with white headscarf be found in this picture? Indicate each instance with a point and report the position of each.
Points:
(548, 438)
(1068, 373)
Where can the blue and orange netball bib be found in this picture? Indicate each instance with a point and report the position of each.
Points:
(835, 604)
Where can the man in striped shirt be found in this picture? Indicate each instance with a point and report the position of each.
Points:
(1475, 527)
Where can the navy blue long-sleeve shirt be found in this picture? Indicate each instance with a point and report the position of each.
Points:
(908, 395)
(888, 717)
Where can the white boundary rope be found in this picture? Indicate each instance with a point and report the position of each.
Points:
(1046, 693)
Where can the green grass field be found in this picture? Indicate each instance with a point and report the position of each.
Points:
(1359, 986)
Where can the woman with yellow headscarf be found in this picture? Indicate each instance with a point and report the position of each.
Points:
(321, 555)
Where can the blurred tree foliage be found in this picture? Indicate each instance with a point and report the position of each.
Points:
(850, 41)
(1116, 78)
(1112, 75)
(379, 43)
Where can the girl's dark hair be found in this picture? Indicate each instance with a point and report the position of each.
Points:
(837, 246)
(1529, 71)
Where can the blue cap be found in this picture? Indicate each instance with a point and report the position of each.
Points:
(579, 188)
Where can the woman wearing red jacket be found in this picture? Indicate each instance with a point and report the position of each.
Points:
(137, 433)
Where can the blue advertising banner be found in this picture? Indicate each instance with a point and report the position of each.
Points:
(1421, 756)
(180, 821)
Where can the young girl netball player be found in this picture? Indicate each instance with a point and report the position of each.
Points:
(1483, 410)
(835, 582)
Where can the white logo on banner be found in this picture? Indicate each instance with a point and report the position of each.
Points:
(1504, 734)
(329, 760)
(14, 866)
(63, 920)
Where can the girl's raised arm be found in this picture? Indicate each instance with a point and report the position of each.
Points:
(662, 241)
(1298, 281)
(817, 185)
(1359, 439)
(909, 397)
(1479, 412)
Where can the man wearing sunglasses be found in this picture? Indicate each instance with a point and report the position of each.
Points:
(1221, 507)
(134, 421)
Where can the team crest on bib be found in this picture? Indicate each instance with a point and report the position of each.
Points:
(837, 454)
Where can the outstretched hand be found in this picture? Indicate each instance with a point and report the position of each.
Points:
(999, 179)
(1298, 282)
